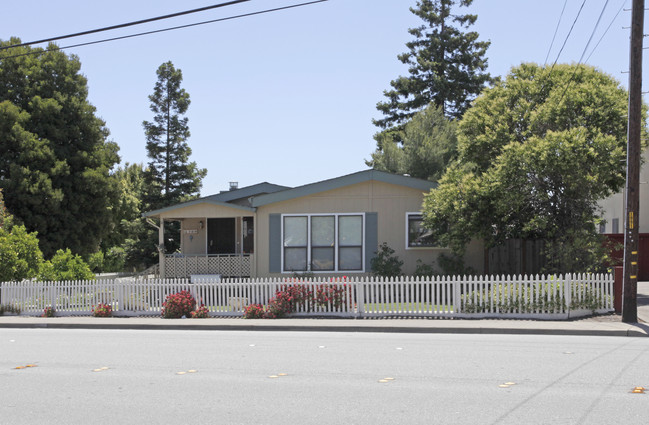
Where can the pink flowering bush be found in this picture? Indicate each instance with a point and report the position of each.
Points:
(102, 310)
(294, 297)
(333, 295)
(178, 305)
(201, 313)
(254, 311)
(48, 312)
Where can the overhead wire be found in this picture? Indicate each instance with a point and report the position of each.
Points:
(592, 34)
(128, 24)
(568, 36)
(605, 31)
(556, 30)
(164, 29)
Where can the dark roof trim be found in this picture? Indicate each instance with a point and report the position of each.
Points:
(247, 192)
(335, 183)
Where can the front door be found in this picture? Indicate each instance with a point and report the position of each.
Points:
(221, 236)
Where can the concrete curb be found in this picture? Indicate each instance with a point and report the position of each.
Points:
(487, 327)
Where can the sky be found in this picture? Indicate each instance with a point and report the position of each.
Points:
(288, 97)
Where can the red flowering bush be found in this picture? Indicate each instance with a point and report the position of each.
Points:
(178, 305)
(291, 298)
(201, 313)
(102, 310)
(254, 311)
(287, 299)
(332, 294)
(48, 312)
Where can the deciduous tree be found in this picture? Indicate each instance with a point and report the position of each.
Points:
(55, 157)
(428, 143)
(536, 153)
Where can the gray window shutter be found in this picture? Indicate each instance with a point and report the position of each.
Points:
(275, 243)
(371, 237)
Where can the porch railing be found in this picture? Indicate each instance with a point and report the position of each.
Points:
(226, 265)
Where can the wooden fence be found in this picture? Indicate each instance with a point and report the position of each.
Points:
(535, 297)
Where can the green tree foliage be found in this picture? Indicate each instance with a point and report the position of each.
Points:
(131, 244)
(428, 143)
(65, 265)
(20, 256)
(170, 176)
(54, 155)
(446, 65)
(6, 220)
(536, 153)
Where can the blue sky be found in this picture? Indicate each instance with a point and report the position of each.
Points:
(288, 97)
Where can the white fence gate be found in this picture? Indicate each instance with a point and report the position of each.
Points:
(535, 297)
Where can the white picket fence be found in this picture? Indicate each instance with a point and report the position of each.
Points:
(534, 297)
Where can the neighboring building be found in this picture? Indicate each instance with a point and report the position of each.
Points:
(613, 219)
(330, 228)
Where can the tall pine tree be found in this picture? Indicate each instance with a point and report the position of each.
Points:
(170, 177)
(446, 65)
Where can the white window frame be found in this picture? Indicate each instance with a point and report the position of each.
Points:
(336, 244)
(408, 247)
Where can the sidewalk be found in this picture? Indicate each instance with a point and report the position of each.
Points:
(607, 325)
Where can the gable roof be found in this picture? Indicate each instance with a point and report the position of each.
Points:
(335, 183)
(267, 193)
(224, 198)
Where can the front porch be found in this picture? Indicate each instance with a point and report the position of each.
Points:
(226, 265)
(221, 246)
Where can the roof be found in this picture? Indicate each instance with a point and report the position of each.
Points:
(224, 198)
(268, 193)
(335, 183)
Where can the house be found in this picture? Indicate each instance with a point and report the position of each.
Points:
(330, 228)
(613, 220)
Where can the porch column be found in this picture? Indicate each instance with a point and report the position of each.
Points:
(161, 250)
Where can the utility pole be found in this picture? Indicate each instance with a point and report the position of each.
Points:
(631, 233)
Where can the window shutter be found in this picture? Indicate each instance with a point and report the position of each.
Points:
(275, 243)
(371, 238)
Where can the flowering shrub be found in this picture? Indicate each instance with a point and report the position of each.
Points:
(48, 312)
(291, 298)
(287, 299)
(254, 311)
(178, 305)
(333, 295)
(102, 310)
(201, 313)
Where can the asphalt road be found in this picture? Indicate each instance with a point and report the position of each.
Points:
(120, 376)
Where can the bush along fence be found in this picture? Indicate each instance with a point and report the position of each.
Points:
(535, 297)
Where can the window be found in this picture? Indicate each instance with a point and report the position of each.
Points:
(615, 225)
(323, 242)
(418, 235)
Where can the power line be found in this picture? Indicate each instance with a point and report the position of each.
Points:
(568, 36)
(592, 34)
(555, 32)
(164, 29)
(605, 31)
(128, 24)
